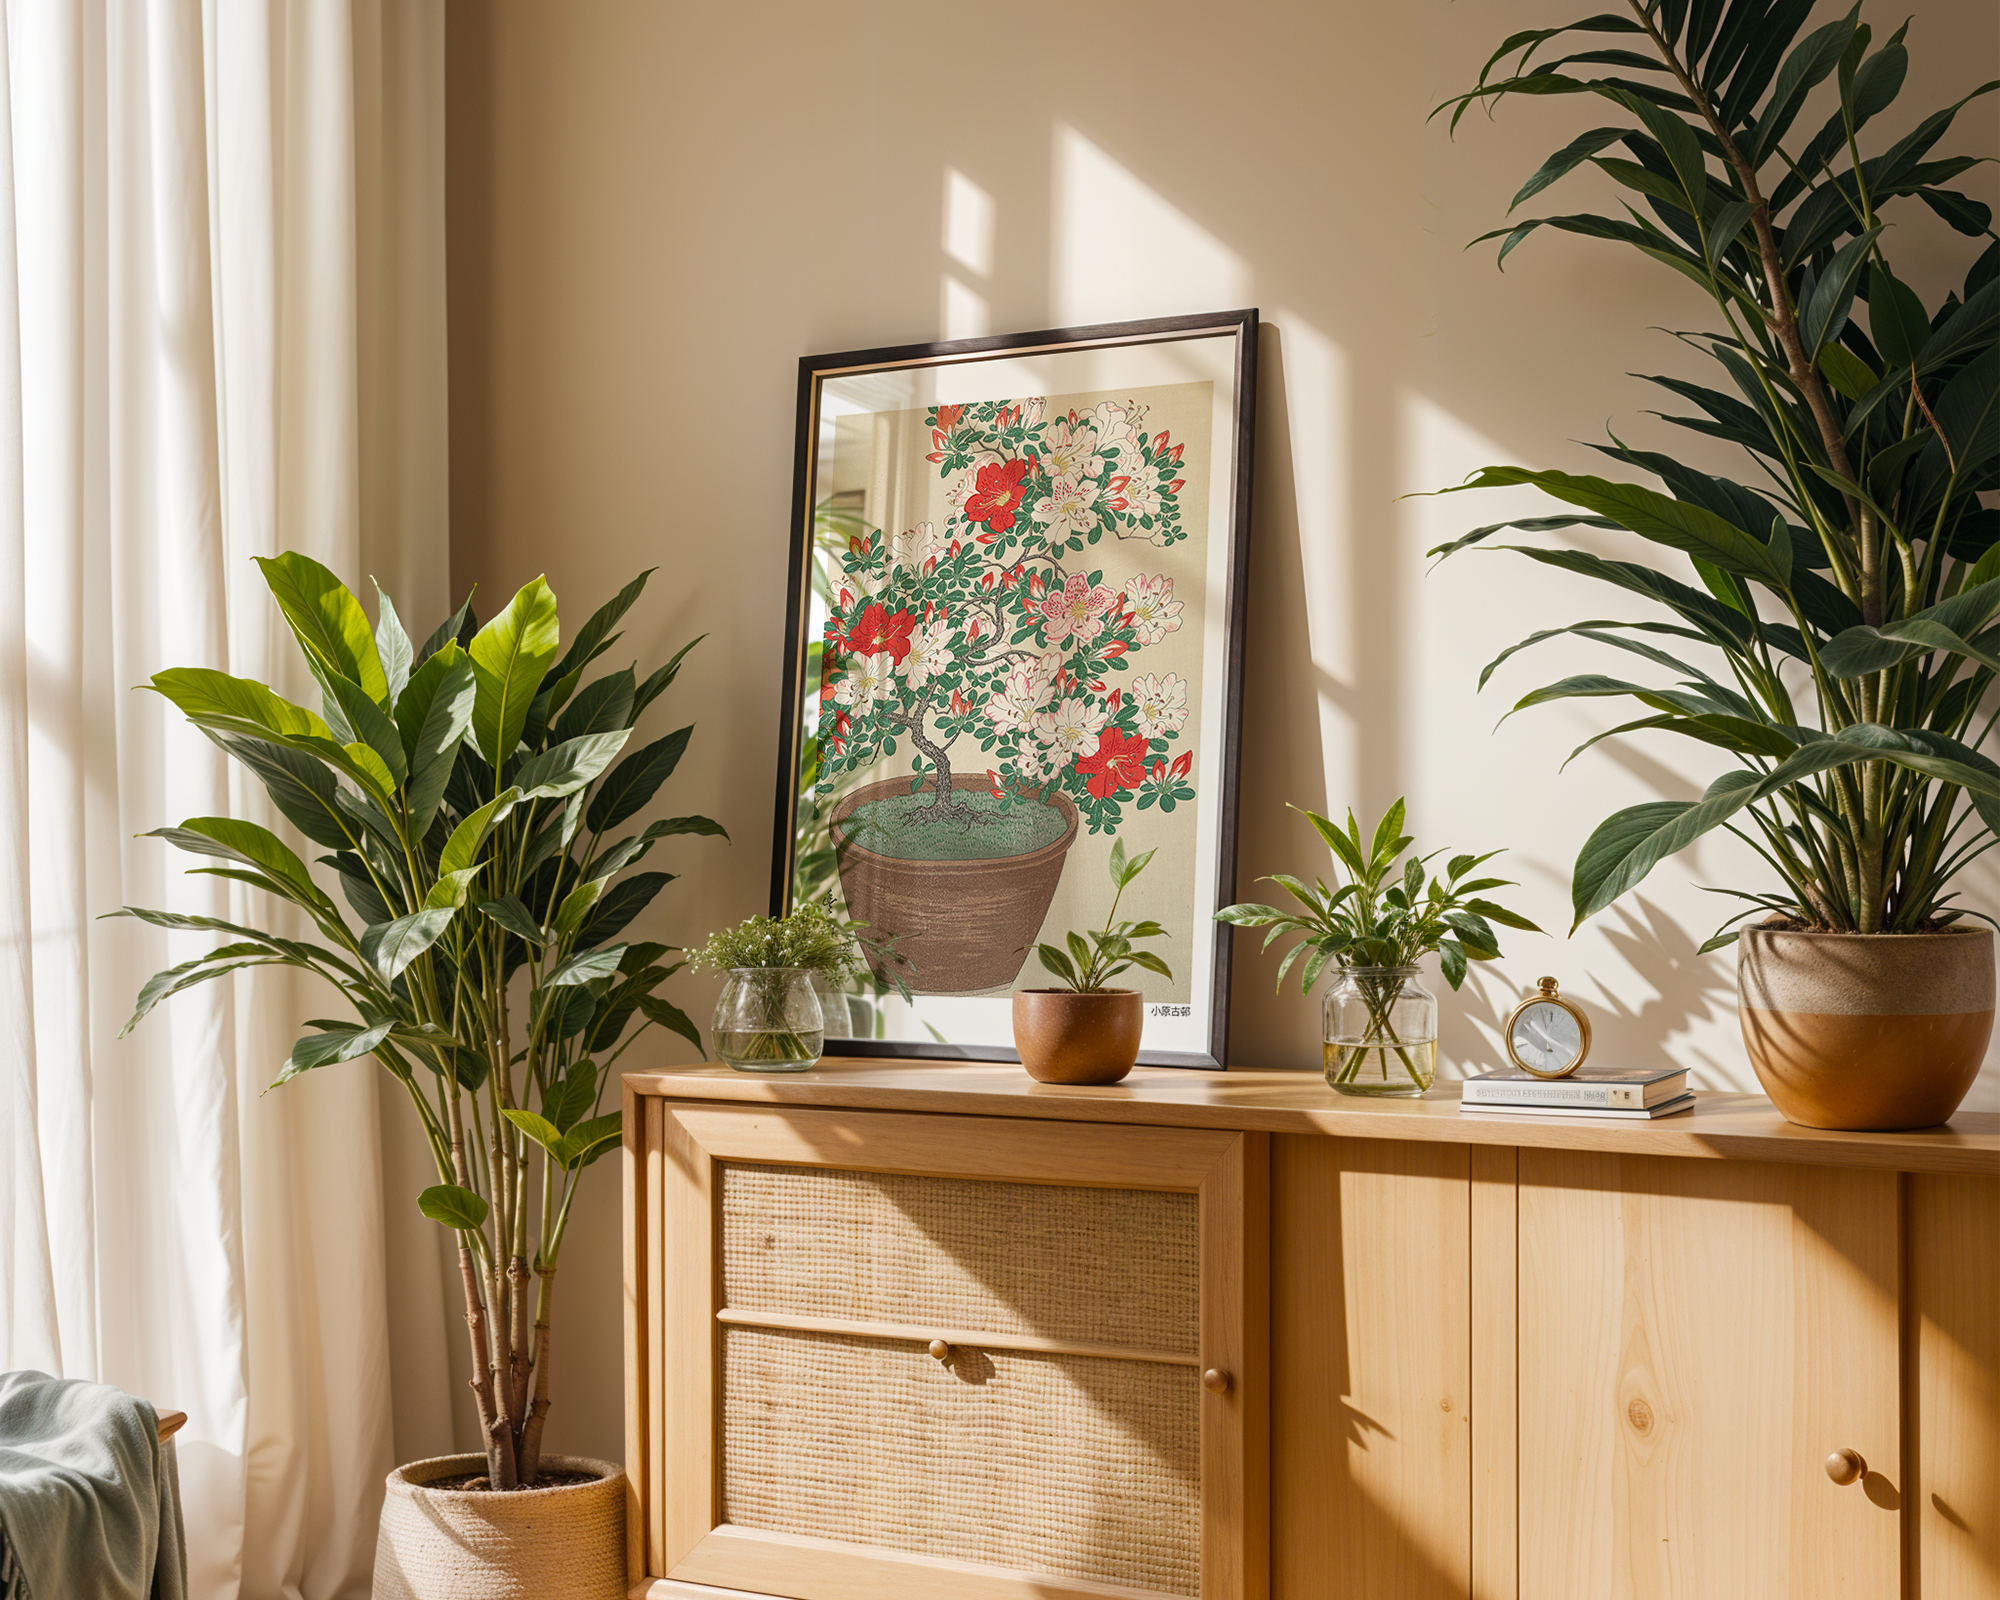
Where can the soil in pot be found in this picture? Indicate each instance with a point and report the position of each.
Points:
(963, 900)
(563, 1540)
(1065, 1037)
(1873, 1032)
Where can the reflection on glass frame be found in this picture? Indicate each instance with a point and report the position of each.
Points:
(1014, 638)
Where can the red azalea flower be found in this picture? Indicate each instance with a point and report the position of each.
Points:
(877, 632)
(999, 490)
(1118, 765)
(1183, 764)
(948, 416)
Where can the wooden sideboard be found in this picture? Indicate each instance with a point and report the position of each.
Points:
(904, 1331)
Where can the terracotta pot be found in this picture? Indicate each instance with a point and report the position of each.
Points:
(562, 1543)
(965, 925)
(1866, 1031)
(1063, 1037)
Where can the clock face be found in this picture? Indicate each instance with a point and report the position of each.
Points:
(1545, 1037)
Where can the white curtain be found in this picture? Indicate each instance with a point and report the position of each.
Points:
(221, 335)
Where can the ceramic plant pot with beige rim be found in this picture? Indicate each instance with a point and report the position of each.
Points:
(565, 1542)
(1866, 1031)
(1065, 1037)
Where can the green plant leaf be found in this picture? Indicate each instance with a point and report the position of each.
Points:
(589, 1140)
(453, 1206)
(657, 684)
(576, 1094)
(586, 968)
(510, 656)
(538, 1128)
(392, 645)
(342, 1042)
(239, 706)
(367, 721)
(449, 892)
(577, 904)
(432, 714)
(327, 620)
(462, 849)
(253, 846)
(1896, 320)
(1648, 513)
(1825, 310)
(186, 976)
(299, 785)
(634, 781)
(570, 766)
(672, 1018)
(509, 913)
(624, 901)
(391, 946)
(1057, 963)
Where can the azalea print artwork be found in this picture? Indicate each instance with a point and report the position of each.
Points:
(1014, 649)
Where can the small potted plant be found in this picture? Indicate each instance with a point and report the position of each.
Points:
(1379, 1027)
(769, 1018)
(1086, 1031)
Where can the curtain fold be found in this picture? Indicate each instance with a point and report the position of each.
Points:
(221, 336)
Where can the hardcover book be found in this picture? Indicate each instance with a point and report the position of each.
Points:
(1629, 1089)
(1666, 1108)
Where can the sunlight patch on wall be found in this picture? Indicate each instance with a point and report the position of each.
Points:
(1121, 251)
(1315, 373)
(964, 314)
(970, 217)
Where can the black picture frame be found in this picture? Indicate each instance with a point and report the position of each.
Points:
(814, 372)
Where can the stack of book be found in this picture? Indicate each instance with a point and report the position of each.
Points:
(1585, 1093)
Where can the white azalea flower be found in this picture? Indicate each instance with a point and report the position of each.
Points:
(865, 683)
(1161, 704)
(1021, 694)
(1139, 495)
(1155, 611)
(930, 652)
(1032, 763)
(1070, 450)
(1069, 507)
(1071, 727)
(914, 546)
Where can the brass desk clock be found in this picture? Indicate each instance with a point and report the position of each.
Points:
(1547, 1036)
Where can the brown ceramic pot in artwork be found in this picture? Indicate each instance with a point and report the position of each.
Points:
(1866, 1031)
(961, 926)
(1065, 1037)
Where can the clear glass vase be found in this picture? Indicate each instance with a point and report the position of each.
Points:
(1379, 1025)
(769, 1020)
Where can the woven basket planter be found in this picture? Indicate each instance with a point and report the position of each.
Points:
(565, 1543)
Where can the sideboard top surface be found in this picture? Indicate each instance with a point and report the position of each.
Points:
(1741, 1127)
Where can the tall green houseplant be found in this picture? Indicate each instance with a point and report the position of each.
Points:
(1834, 627)
(471, 792)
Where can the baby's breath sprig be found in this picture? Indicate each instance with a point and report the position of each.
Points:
(812, 937)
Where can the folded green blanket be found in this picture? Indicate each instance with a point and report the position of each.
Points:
(89, 1497)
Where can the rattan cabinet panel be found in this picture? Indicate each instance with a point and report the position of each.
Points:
(1097, 1266)
(888, 1356)
(1075, 1466)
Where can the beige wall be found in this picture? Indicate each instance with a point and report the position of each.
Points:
(656, 208)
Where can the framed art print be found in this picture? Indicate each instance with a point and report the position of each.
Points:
(1014, 639)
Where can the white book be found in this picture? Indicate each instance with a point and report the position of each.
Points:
(1666, 1108)
(1611, 1089)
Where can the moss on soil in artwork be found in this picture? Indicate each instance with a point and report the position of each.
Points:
(907, 827)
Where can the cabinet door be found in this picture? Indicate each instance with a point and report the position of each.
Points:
(1696, 1337)
(897, 1356)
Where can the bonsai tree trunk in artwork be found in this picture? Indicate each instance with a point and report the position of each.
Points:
(1002, 631)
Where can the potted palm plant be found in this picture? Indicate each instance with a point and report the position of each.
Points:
(1832, 631)
(473, 795)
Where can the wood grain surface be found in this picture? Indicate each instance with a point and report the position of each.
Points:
(1695, 1339)
(1725, 1126)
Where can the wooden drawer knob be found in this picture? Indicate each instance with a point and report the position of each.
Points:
(1215, 1381)
(941, 1351)
(1846, 1466)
